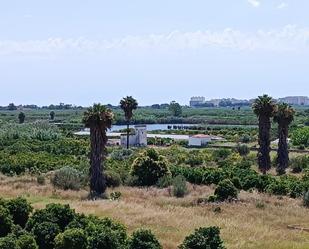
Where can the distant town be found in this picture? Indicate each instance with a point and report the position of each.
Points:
(202, 102)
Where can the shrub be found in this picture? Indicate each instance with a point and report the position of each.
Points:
(6, 221)
(114, 196)
(40, 180)
(121, 155)
(245, 138)
(59, 214)
(277, 188)
(26, 241)
(143, 239)
(149, 166)
(242, 149)
(68, 178)
(298, 164)
(165, 181)
(306, 199)
(45, 233)
(113, 179)
(202, 238)
(8, 242)
(105, 238)
(71, 239)
(20, 210)
(179, 186)
(226, 190)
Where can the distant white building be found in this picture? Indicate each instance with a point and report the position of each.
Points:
(137, 139)
(199, 140)
(295, 100)
(196, 101)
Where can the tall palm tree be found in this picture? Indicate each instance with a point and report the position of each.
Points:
(264, 108)
(284, 117)
(98, 118)
(128, 104)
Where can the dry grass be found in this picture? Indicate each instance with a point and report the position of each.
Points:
(256, 221)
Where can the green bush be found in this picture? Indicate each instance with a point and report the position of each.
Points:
(226, 190)
(8, 242)
(143, 239)
(71, 239)
(20, 210)
(149, 167)
(306, 199)
(121, 155)
(68, 178)
(113, 179)
(45, 234)
(243, 149)
(165, 181)
(298, 164)
(6, 221)
(59, 214)
(278, 188)
(40, 180)
(202, 238)
(301, 136)
(179, 186)
(104, 238)
(26, 241)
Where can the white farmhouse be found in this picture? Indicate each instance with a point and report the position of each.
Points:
(199, 140)
(138, 138)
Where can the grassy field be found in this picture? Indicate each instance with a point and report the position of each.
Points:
(256, 221)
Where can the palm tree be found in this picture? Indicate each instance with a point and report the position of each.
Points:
(264, 107)
(284, 117)
(98, 118)
(128, 104)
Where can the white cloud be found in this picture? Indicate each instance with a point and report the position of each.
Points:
(289, 38)
(282, 5)
(254, 3)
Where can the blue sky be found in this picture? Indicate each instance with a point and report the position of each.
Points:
(83, 52)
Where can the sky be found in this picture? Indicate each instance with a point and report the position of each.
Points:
(82, 52)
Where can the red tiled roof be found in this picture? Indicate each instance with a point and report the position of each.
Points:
(201, 136)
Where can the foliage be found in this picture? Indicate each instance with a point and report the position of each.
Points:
(6, 221)
(204, 237)
(175, 109)
(165, 181)
(58, 214)
(71, 239)
(179, 186)
(301, 136)
(226, 190)
(299, 163)
(143, 239)
(68, 178)
(306, 199)
(113, 179)
(40, 180)
(243, 149)
(149, 167)
(26, 241)
(20, 210)
(8, 242)
(45, 234)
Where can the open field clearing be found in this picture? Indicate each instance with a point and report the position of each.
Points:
(255, 221)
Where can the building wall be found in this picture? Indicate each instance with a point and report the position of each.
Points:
(139, 139)
(198, 142)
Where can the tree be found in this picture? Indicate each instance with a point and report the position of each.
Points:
(284, 117)
(175, 108)
(98, 118)
(128, 104)
(12, 107)
(52, 115)
(21, 117)
(264, 108)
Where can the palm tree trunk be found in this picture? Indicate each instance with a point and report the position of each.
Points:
(283, 152)
(264, 144)
(97, 180)
(128, 133)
